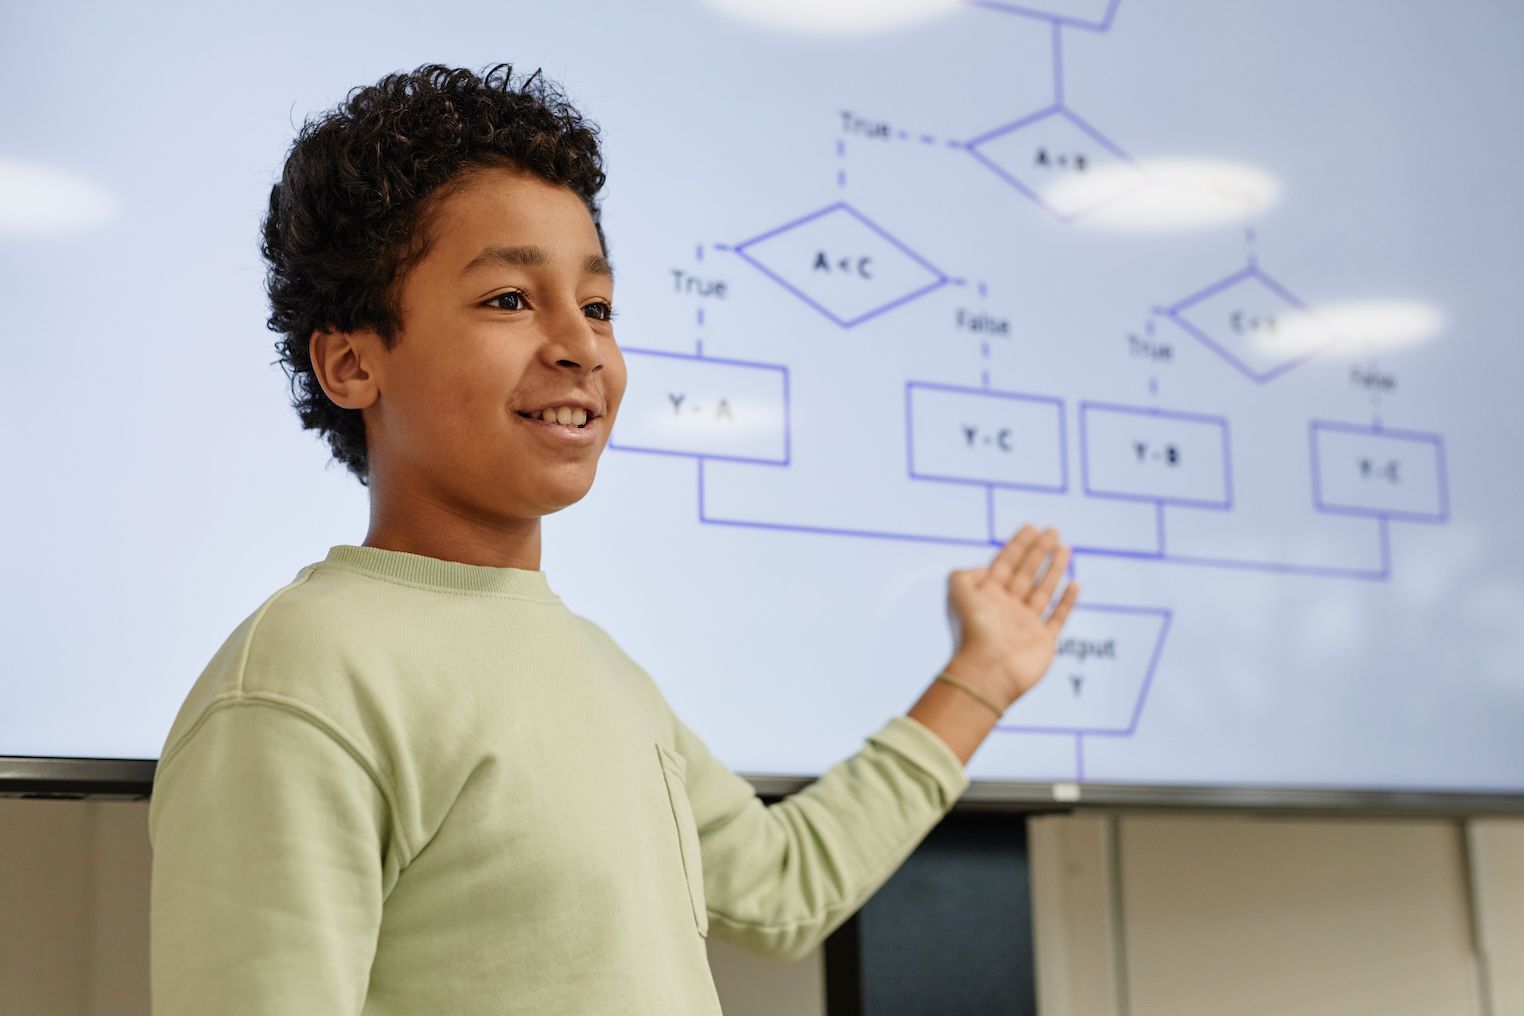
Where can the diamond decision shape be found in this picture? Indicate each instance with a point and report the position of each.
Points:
(1253, 322)
(1045, 154)
(842, 264)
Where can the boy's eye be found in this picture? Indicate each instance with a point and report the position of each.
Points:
(514, 297)
(601, 311)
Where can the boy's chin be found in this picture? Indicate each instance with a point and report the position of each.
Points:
(563, 495)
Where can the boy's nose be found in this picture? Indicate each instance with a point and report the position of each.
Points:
(570, 341)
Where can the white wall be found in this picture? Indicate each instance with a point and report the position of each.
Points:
(1137, 915)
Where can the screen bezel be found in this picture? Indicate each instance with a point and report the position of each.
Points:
(132, 779)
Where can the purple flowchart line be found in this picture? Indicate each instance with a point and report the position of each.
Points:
(1137, 555)
(1166, 617)
(1055, 109)
(1078, 774)
(1153, 412)
(1101, 24)
(1423, 437)
(940, 278)
(876, 534)
(1175, 313)
(788, 443)
(1058, 64)
(1378, 574)
(1079, 769)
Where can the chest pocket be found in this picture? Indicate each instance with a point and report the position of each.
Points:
(674, 771)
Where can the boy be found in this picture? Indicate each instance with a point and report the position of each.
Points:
(413, 781)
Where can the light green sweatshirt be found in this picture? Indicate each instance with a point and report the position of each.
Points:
(412, 786)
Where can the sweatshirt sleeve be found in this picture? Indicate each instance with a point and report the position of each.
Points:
(270, 848)
(778, 879)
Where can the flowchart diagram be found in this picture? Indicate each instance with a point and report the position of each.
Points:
(845, 262)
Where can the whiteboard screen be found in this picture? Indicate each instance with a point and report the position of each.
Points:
(1227, 292)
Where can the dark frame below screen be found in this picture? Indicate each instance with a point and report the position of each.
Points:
(132, 779)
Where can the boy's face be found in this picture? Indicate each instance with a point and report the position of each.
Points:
(506, 312)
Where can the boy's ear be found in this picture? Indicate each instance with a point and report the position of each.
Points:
(344, 363)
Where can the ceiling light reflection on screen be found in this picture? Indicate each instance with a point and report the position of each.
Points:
(45, 199)
(831, 17)
(1375, 324)
(1174, 194)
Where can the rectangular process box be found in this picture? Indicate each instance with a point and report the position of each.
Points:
(981, 436)
(1370, 470)
(1136, 453)
(702, 406)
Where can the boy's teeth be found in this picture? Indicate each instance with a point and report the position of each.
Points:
(565, 415)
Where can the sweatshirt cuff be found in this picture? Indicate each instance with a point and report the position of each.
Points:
(916, 742)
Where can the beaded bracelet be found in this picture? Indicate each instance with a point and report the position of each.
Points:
(975, 692)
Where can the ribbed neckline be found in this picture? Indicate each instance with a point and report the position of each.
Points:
(436, 573)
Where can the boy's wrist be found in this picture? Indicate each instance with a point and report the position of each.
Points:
(959, 719)
(984, 673)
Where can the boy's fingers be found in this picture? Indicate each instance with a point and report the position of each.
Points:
(1010, 555)
(1037, 552)
(1043, 594)
(1065, 604)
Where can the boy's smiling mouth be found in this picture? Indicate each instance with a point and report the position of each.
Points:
(571, 410)
(548, 424)
(564, 416)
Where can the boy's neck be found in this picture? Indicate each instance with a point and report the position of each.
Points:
(426, 527)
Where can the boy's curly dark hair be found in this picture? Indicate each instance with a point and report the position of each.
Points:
(350, 213)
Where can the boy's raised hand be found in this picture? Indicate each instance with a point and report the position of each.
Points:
(1005, 623)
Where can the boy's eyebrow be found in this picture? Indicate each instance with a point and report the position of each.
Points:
(535, 257)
